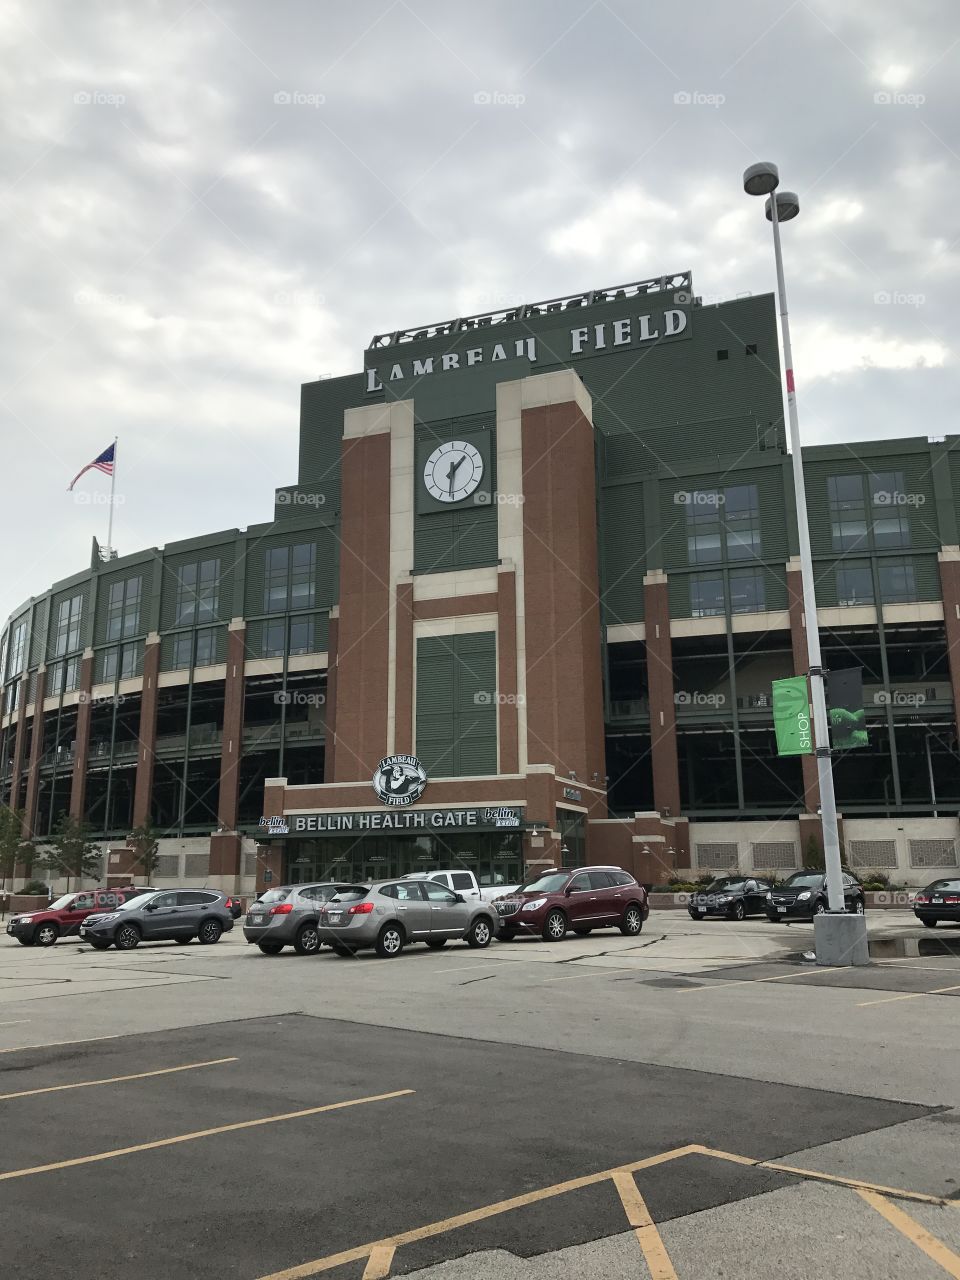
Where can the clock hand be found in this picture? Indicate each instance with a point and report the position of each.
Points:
(451, 474)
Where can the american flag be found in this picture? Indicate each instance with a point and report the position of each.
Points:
(103, 462)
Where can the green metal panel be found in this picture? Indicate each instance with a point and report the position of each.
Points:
(38, 639)
(322, 406)
(463, 536)
(624, 554)
(456, 729)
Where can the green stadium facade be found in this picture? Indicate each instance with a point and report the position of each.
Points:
(548, 554)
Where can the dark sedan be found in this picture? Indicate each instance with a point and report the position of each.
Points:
(938, 901)
(730, 896)
(804, 895)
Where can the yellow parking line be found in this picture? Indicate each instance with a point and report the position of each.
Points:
(909, 995)
(648, 1237)
(141, 1075)
(317, 1265)
(747, 982)
(202, 1133)
(919, 1236)
(379, 1262)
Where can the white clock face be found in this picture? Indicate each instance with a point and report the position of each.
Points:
(453, 471)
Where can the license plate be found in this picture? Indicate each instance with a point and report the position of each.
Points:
(334, 917)
(256, 919)
(938, 900)
(782, 909)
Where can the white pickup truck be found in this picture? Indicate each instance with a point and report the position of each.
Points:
(464, 883)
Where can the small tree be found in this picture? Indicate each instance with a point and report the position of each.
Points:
(74, 853)
(813, 857)
(143, 840)
(11, 841)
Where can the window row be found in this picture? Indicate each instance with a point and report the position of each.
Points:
(747, 593)
(722, 524)
(869, 512)
(896, 580)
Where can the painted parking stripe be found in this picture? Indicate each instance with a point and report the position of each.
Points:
(648, 1237)
(318, 1265)
(747, 982)
(57, 1044)
(203, 1133)
(379, 1262)
(910, 995)
(140, 1075)
(913, 1231)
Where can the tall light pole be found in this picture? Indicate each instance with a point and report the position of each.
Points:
(839, 938)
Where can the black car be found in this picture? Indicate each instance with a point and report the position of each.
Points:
(804, 895)
(175, 915)
(730, 896)
(938, 901)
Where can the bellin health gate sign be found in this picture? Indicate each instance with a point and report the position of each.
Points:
(791, 717)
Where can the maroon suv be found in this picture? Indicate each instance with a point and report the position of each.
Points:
(64, 917)
(582, 899)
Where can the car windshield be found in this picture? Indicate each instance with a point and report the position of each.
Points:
(131, 904)
(943, 886)
(725, 886)
(62, 902)
(803, 880)
(353, 894)
(551, 882)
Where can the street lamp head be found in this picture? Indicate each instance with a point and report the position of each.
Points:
(788, 206)
(760, 179)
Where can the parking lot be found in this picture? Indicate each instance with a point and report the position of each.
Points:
(698, 1101)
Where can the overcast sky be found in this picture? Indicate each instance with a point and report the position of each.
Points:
(205, 204)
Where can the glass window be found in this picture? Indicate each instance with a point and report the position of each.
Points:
(123, 608)
(891, 527)
(622, 877)
(703, 526)
(579, 883)
(303, 574)
(854, 584)
(273, 638)
(741, 515)
(897, 581)
(71, 675)
(706, 594)
(198, 592)
(289, 577)
(600, 880)
(68, 625)
(437, 892)
(18, 649)
(110, 664)
(300, 635)
(129, 660)
(548, 882)
(206, 647)
(747, 592)
(848, 514)
(868, 511)
(182, 650)
(461, 880)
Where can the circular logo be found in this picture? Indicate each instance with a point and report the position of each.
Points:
(399, 780)
(453, 471)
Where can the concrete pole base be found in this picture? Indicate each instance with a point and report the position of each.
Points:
(840, 939)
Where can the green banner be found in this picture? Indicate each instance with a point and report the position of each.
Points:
(791, 717)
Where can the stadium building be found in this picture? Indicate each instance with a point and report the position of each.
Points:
(524, 603)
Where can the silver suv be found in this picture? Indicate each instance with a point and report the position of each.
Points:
(287, 916)
(389, 914)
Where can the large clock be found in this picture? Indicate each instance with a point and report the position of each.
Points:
(453, 471)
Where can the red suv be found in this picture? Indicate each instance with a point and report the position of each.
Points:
(582, 899)
(64, 916)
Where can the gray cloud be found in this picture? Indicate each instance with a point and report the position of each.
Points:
(184, 246)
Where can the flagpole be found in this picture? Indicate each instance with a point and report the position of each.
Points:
(113, 487)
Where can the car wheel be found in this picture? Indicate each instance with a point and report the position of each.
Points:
(582, 932)
(632, 922)
(738, 911)
(45, 935)
(25, 942)
(929, 924)
(98, 944)
(307, 941)
(436, 943)
(555, 926)
(820, 909)
(389, 941)
(270, 948)
(210, 932)
(127, 937)
(480, 933)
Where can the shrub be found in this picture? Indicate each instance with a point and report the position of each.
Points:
(35, 887)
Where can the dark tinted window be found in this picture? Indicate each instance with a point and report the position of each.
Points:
(356, 892)
(600, 880)
(943, 886)
(462, 880)
(193, 897)
(580, 882)
(621, 877)
(165, 900)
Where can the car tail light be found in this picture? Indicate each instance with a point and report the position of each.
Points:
(921, 897)
(282, 909)
(360, 909)
(228, 903)
(952, 899)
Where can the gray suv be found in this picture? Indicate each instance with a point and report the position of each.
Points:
(389, 914)
(175, 915)
(288, 916)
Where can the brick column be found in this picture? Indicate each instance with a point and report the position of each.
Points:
(801, 665)
(225, 845)
(508, 728)
(36, 751)
(78, 785)
(663, 712)
(147, 733)
(330, 707)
